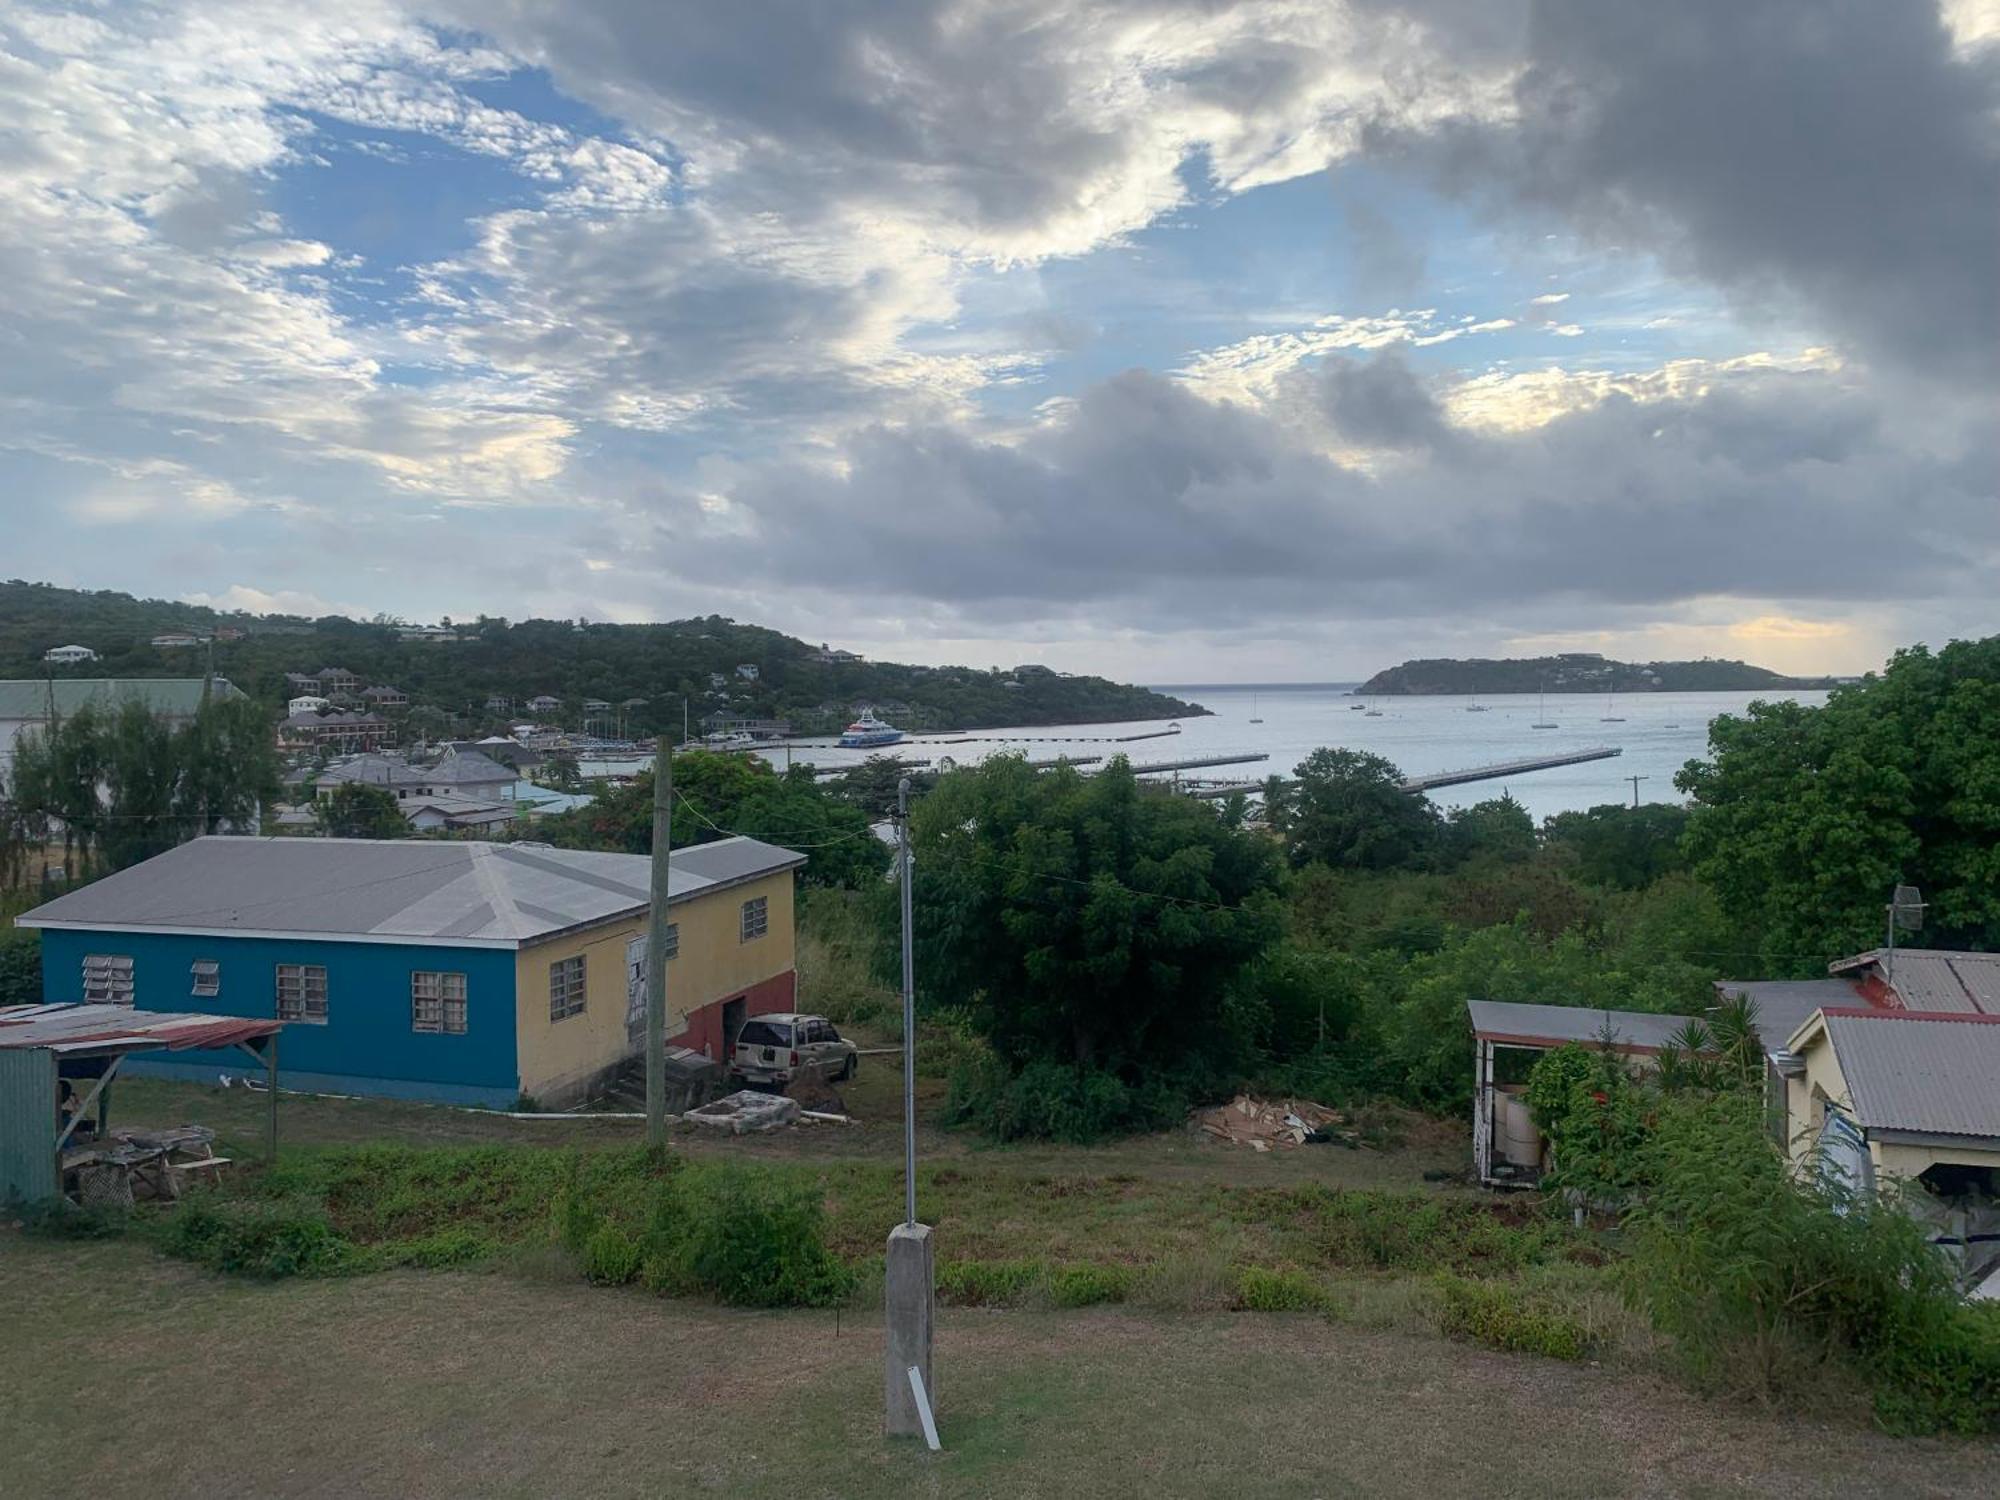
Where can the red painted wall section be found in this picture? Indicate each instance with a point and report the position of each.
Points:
(704, 1028)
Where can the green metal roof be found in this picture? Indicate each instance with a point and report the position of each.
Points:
(178, 696)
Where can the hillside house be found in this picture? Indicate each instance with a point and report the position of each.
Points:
(467, 973)
(69, 656)
(543, 703)
(175, 640)
(337, 730)
(383, 696)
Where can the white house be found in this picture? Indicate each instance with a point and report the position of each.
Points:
(175, 640)
(69, 655)
(747, 671)
(306, 704)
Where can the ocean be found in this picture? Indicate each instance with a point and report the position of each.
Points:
(1660, 732)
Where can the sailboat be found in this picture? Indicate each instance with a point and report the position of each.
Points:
(1610, 702)
(1253, 710)
(1543, 715)
(1475, 707)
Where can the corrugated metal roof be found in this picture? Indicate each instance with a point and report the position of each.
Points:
(386, 889)
(1938, 1074)
(1509, 1021)
(1934, 979)
(104, 1030)
(178, 696)
(1784, 1005)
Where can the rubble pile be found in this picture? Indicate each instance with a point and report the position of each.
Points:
(1262, 1124)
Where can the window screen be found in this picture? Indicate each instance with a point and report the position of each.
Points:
(206, 976)
(302, 993)
(756, 918)
(437, 1002)
(107, 978)
(566, 988)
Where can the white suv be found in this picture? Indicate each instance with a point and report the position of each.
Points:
(781, 1049)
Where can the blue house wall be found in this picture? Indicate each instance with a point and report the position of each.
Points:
(366, 1045)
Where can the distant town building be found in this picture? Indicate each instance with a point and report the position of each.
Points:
(542, 703)
(833, 657)
(230, 632)
(305, 683)
(307, 703)
(596, 706)
(336, 680)
(717, 680)
(175, 640)
(747, 671)
(69, 655)
(499, 704)
(434, 634)
(384, 696)
(337, 730)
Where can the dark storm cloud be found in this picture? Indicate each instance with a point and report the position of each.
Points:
(1834, 151)
(1150, 504)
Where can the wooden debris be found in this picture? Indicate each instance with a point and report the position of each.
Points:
(1262, 1124)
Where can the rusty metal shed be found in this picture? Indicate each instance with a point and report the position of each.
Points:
(41, 1045)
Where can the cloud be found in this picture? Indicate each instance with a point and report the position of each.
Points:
(1839, 155)
(1782, 628)
(244, 597)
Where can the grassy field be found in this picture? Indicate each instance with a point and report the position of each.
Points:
(129, 1375)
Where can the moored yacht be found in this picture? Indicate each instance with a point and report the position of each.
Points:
(868, 731)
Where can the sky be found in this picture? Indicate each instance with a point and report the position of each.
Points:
(1177, 340)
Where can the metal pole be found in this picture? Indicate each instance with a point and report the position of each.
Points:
(271, 1089)
(1635, 780)
(656, 944)
(909, 1010)
(1889, 963)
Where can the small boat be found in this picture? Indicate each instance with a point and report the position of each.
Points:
(1610, 702)
(1253, 710)
(729, 741)
(868, 731)
(1543, 715)
(1373, 713)
(1355, 708)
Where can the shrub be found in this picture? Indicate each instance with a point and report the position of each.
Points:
(1501, 1315)
(1752, 1272)
(610, 1256)
(1086, 1285)
(60, 1219)
(1283, 1290)
(745, 1236)
(1057, 1101)
(987, 1283)
(250, 1237)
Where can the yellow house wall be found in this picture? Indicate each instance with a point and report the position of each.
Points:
(1910, 1160)
(1822, 1073)
(712, 965)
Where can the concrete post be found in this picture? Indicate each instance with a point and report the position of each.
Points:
(908, 1307)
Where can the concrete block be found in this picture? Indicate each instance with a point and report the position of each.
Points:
(909, 1308)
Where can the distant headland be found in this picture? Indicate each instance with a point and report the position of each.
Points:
(1578, 672)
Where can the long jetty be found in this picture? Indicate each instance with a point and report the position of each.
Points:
(1417, 784)
(1195, 763)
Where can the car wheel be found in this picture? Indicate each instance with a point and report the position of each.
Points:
(847, 1072)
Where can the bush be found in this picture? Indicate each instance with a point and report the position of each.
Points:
(744, 1236)
(1753, 1273)
(1057, 1102)
(250, 1237)
(1501, 1315)
(60, 1219)
(1086, 1285)
(20, 966)
(610, 1256)
(1284, 1290)
(988, 1283)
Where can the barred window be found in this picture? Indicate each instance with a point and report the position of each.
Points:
(671, 946)
(566, 988)
(756, 918)
(206, 977)
(437, 1002)
(107, 978)
(302, 993)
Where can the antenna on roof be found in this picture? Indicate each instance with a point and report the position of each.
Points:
(1906, 910)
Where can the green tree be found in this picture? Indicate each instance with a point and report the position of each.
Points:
(1350, 811)
(358, 811)
(716, 796)
(1087, 920)
(1498, 830)
(1805, 818)
(1621, 847)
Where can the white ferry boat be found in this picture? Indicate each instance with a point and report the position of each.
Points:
(868, 731)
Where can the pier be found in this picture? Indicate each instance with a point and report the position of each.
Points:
(1415, 785)
(1238, 758)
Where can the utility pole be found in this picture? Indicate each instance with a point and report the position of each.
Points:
(909, 1293)
(656, 944)
(909, 1008)
(1635, 780)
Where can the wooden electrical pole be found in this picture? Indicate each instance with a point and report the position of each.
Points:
(656, 944)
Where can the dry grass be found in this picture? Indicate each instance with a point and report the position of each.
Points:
(131, 1376)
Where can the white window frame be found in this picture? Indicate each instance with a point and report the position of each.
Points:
(301, 993)
(671, 948)
(756, 919)
(108, 980)
(569, 987)
(437, 1002)
(205, 978)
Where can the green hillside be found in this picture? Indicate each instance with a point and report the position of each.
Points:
(1577, 672)
(450, 682)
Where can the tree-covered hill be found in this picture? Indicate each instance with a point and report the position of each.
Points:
(664, 664)
(1577, 672)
